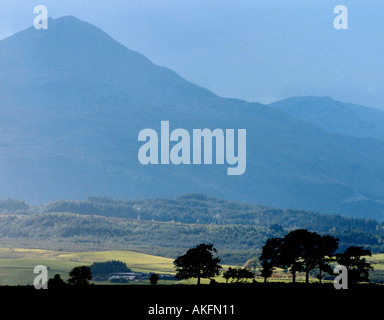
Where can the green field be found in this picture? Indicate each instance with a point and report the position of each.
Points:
(16, 265)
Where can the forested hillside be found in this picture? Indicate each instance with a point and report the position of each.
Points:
(202, 209)
(168, 226)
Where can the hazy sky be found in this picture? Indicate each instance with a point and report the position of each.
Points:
(257, 50)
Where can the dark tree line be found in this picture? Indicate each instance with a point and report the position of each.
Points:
(298, 251)
(304, 251)
(105, 267)
(238, 274)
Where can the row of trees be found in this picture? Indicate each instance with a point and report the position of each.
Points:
(298, 251)
(201, 262)
(304, 251)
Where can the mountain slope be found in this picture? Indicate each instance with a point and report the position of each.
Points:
(335, 116)
(73, 102)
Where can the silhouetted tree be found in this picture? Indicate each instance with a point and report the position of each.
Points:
(198, 262)
(267, 271)
(304, 251)
(291, 253)
(243, 274)
(326, 250)
(299, 250)
(353, 259)
(238, 275)
(56, 282)
(270, 257)
(230, 273)
(154, 278)
(80, 276)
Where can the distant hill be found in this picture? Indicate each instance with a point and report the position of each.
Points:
(73, 101)
(202, 209)
(335, 116)
(168, 227)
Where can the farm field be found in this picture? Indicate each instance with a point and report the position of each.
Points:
(16, 265)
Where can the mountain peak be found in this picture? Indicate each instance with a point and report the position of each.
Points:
(63, 31)
(73, 53)
(73, 24)
(67, 18)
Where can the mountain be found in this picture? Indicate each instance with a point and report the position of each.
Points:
(335, 116)
(73, 102)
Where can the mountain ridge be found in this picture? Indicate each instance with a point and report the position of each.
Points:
(69, 130)
(335, 116)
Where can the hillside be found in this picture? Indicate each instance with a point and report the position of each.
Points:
(167, 227)
(203, 209)
(73, 101)
(335, 116)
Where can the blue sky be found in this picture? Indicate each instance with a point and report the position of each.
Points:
(256, 50)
